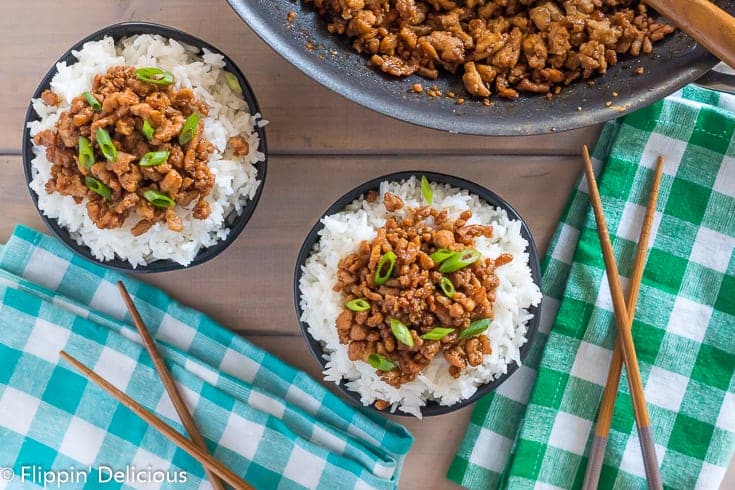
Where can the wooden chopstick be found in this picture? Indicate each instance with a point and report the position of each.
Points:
(168, 382)
(630, 359)
(607, 404)
(185, 444)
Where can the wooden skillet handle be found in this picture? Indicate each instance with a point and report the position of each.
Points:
(704, 21)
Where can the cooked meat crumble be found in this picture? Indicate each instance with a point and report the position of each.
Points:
(417, 291)
(144, 121)
(498, 46)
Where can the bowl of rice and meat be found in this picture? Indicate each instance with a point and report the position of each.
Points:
(144, 149)
(418, 292)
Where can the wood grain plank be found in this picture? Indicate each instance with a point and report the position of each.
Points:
(436, 438)
(729, 480)
(249, 286)
(305, 117)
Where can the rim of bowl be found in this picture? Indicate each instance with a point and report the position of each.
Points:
(312, 238)
(237, 223)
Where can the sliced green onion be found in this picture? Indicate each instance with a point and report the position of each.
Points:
(232, 82)
(92, 101)
(153, 158)
(105, 144)
(154, 75)
(385, 268)
(158, 200)
(401, 332)
(475, 328)
(98, 187)
(426, 190)
(86, 152)
(462, 259)
(441, 255)
(447, 286)
(358, 304)
(437, 333)
(189, 129)
(380, 362)
(147, 130)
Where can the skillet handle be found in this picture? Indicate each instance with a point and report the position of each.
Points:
(704, 21)
(720, 78)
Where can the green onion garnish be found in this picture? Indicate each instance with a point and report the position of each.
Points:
(105, 144)
(232, 82)
(86, 152)
(441, 255)
(447, 286)
(154, 75)
(358, 304)
(92, 101)
(98, 187)
(460, 260)
(426, 190)
(380, 362)
(158, 200)
(401, 332)
(190, 127)
(475, 328)
(385, 268)
(153, 158)
(147, 130)
(437, 333)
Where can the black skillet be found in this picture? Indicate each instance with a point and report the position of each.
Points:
(329, 60)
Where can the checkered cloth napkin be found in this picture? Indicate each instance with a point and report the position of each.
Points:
(535, 430)
(267, 421)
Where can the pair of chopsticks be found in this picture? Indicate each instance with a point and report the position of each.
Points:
(196, 448)
(624, 352)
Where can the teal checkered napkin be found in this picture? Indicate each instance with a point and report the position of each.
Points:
(535, 431)
(265, 420)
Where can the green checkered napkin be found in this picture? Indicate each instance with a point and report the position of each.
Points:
(535, 431)
(267, 421)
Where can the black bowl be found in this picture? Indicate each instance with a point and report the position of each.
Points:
(235, 222)
(431, 408)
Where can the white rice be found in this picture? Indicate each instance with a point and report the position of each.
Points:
(235, 181)
(516, 293)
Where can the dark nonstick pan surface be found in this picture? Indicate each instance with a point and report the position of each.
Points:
(330, 60)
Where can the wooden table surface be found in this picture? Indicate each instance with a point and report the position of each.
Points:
(320, 145)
